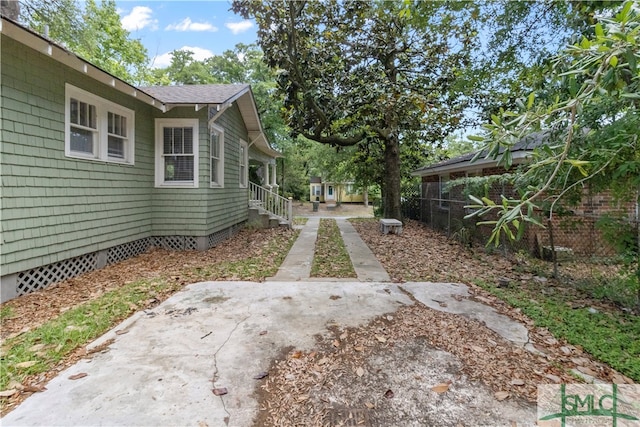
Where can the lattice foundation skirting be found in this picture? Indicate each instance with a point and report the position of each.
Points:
(42, 277)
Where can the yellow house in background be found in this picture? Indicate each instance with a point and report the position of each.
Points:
(334, 192)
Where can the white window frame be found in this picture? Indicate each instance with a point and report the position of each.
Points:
(243, 164)
(101, 135)
(217, 181)
(316, 190)
(159, 154)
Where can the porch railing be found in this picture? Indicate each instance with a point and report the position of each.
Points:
(272, 203)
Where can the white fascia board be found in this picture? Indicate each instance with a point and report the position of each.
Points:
(58, 53)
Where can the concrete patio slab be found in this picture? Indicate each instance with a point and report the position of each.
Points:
(210, 335)
(453, 298)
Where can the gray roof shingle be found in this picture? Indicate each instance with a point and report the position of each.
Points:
(527, 143)
(195, 94)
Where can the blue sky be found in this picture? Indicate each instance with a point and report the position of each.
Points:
(205, 27)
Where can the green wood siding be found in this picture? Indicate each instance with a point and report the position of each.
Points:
(228, 206)
(182, 211)
(54, 207)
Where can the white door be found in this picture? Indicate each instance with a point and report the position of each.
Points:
(331, 196)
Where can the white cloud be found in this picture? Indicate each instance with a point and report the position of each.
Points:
(199, 54)
(187, 25)
(139, 18)
(239, 27)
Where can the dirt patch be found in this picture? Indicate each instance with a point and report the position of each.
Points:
(417, 366)
(350, 210)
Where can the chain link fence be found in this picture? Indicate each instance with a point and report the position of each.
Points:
(596, 254)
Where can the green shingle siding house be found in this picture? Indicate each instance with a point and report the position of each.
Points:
(94, 170)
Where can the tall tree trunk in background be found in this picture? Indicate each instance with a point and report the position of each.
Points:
(391, 178)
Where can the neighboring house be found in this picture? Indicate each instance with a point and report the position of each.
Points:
(95, 170)
(444, 207)
(334, 192)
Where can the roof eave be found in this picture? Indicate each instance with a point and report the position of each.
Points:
(58, 53)
(518, 157)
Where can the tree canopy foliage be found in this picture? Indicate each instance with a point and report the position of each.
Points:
(91, 30)
(360, 72)
(591, 124)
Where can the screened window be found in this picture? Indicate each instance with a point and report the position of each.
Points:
(244, 161)
(84, 127)
(117, 135)
(177, 152)
(97, 129)
(216, 141)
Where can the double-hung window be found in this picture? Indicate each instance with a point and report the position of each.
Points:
(216, 141)
(244, 164)
(177, 153)
(97, 129)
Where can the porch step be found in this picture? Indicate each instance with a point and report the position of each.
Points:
(264, 220)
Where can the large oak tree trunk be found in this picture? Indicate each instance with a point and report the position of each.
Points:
(391, 196)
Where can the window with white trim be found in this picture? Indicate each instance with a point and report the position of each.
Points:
(177, 153)
(216, 142)
(244, 162)
(97, 129)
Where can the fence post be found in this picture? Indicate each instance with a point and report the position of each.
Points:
(553, 248)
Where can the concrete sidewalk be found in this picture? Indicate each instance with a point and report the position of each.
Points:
(297, 264)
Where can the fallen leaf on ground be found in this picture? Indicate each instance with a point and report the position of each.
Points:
(261, 375)
(78, 376)
(24, 365)
(441, 388)
(381, 338)
(517, 381)
(220, 391)
(121, 332)
(296, 354)
(36, 348)
(369, 405)
(360, 372)
(501, 395)
(34, 389)
(388, 394)
(8, 393)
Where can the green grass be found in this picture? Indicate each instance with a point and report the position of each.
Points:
(48, 344)
(6, 312)
(300, 220)
(611, 337)
(331, 258)
(255, 268)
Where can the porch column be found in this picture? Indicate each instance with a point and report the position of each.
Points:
(267, 180)
(273, 177)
